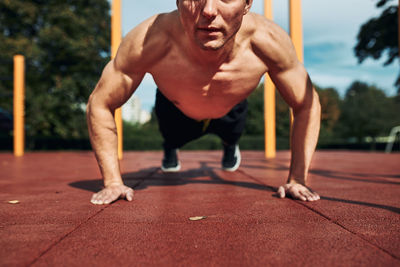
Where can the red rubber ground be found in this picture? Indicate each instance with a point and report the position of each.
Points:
(356, 223)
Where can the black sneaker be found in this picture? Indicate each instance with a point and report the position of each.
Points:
(231, 159)
(170, 162)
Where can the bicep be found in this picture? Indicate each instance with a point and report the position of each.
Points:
(275, 48)
(114, 87)
(294, 85)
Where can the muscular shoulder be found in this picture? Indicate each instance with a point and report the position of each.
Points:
(146, 43)
(270, 42)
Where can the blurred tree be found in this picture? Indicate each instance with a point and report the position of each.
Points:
(330, 102)
(282, 118)
(255, 117)
(379, 35)
(330, 112)
(366, 111)
(66, 45)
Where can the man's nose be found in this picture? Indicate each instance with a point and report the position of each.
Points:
(210, 8)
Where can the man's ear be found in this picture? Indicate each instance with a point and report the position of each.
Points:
(247, 7)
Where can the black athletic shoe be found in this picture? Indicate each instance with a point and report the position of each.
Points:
(231, 159)
(170, 162)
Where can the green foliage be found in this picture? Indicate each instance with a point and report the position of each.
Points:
(141, 137)
(255, 115)
(282, 120)
(378, 36)
(66, 45)
(366, 111)
(330, 112)
(253, 136)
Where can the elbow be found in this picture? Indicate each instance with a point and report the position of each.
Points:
(310, 105)
(93, 107)
(89, 109)
(97, 110)
(316, 104)
(319, 108)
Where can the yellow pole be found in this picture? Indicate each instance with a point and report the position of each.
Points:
(269, 102)
(296, 27)
(296, 33)
(19, 92)
(116, 38)
(268, 9)
(398, 25)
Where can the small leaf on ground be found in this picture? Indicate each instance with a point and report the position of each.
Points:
(196, 218)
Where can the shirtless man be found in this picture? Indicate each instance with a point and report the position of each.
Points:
(205, 57)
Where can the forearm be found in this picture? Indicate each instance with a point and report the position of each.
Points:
(103, 137)
(304, 138)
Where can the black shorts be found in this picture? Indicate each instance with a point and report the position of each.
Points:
(177, 129)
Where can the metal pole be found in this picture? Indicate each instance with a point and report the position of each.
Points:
(269, 102)
(19, 95)
(116, 38)
(296, 27)
(296, 34)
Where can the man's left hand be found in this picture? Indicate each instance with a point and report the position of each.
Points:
(297, 191)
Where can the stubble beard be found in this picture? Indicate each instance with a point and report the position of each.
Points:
(219, 43)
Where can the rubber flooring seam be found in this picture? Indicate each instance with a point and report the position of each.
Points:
(66, 235)
(327, 218)
(79, 225)
(348, 230)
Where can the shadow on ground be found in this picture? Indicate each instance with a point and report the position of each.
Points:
(153, 176)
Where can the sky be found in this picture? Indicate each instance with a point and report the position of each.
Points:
(330, 29)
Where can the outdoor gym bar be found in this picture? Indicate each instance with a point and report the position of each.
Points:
(19, 95)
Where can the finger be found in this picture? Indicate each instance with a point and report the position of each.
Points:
(108, 200)
(97, 202)
(312, 197)
(101, 197)
(301, 197)
(129, 194)
(281, 192)
(315, 196)
(296, 194)
(93, 199)
(111, 197)
(96, 199)
(306, 194)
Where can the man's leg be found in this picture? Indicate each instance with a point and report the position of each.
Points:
(229, 128)
(176, 128)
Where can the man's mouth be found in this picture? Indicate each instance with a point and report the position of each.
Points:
(208, 29)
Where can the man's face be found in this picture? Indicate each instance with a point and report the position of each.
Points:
(211, 23)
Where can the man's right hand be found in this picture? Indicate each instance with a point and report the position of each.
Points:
(112, 193)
